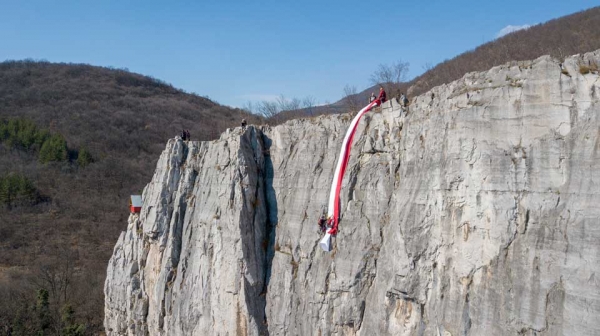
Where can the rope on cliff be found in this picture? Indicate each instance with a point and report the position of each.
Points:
(333, 211)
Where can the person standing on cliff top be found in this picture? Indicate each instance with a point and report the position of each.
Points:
(373, 97)
(382, 96)
(403, 100)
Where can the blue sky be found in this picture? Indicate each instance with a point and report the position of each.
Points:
(235, 51)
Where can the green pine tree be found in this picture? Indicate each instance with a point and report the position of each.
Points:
(42, 308)
(84, 157)
(17, 187)
(69, 327)
(54, 149)
(20, 325)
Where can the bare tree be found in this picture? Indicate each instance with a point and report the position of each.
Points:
(56, 275)
(351, 98)
(250, 107)
(427, 66)
(284, 104)
(270, 109)
(309, 104)
(390, 75)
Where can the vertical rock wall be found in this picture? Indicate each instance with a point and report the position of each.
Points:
(193, 261)
(474, 214)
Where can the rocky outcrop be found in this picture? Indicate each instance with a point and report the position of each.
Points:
(474, 214)
(193, 261)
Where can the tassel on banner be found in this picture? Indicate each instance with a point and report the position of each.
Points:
(325, 243)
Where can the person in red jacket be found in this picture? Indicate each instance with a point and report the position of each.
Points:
(382, 95)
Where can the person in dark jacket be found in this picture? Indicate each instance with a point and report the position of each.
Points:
(187, 135)
(323, 223)
(183, 135)
(382, 96)
(244, 123)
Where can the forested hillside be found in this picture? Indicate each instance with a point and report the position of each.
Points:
(75, 142)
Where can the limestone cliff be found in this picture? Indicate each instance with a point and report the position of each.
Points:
(474, 214)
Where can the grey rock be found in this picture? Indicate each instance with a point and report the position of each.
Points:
(474, 213)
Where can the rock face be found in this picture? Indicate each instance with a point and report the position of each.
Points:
(474, 214)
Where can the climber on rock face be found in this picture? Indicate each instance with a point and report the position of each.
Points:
(322, 223)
